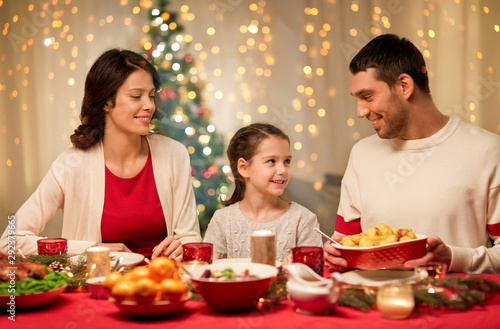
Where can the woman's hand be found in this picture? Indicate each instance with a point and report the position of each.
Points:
(170, 248)
(115, 247)
(333, 257)
(437, 252)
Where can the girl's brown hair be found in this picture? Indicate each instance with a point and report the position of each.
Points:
(244, 145)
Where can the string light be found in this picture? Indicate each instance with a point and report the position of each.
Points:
(256, 42)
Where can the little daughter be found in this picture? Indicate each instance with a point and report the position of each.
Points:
(259, 155)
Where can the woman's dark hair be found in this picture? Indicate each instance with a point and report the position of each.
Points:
(244, 145)
(392, 56)
(104, 78)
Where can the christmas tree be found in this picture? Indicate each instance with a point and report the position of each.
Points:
(187, 120)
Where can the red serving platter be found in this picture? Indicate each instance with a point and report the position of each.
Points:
(384, 256)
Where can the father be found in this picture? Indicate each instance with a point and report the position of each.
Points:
(424, 170)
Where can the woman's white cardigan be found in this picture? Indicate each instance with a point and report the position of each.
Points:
(75, 184)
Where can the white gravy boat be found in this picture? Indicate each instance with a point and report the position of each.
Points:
(311, 293)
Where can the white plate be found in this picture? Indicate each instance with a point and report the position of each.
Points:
(238, 260)
(377, 278)
(129, 258)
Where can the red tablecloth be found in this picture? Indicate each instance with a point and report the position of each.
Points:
(79, 310)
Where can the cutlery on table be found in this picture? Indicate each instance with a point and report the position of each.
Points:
(117, 264)
(326, 236)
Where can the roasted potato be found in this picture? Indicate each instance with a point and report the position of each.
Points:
(374, 236)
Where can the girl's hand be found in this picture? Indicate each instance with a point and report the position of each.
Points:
(288, 260)
(170, 248)
(115, 247)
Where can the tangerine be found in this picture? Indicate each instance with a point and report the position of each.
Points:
(128, 276)
(123, 290)
(161, 268)
(146, 290)
(111, 279)
(172, 289)
(138, 273)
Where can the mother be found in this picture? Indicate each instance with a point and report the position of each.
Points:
(119, 185)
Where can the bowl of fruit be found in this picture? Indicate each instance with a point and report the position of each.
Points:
(150, 290)
(232, 288)
(382, 247)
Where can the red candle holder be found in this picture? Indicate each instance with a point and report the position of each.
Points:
(310, 256)
(200, 251)
(52, 246)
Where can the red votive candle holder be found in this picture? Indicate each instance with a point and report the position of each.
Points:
(310, 256)
(200, 251)
(52, 246)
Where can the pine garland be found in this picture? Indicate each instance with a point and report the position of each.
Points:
(78, 268)
(277, 289)
(45, 259)
(358, 297)
(460, 293)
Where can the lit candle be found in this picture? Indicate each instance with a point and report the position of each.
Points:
(193, 263)
(52, 246)
(263, 247)
(98, 262)
(395, 301)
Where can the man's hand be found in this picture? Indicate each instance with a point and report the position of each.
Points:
(170, 248)
(333, 257)
(437, 252)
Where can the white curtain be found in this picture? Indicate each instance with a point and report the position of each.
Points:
(284, 62)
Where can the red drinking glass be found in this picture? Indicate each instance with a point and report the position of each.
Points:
(310, 256)
(52, 246)
(200, 251)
